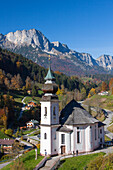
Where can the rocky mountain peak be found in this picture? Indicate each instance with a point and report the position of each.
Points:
(28, 37)
(32, 43)
(105, 61)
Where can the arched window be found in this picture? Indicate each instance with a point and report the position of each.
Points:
(45, 135)
(54, 111)
(45, 114)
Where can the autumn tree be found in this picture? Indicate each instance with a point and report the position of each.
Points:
(104, 86)
(111, 83)
(7, 82)
(28, 83)
(112, 91)
(92, 91)
(16, 82)
(19, 81)
(4, 118)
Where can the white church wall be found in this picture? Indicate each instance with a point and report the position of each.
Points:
(72, 137)
(95, 139)
(55, 119)
(88, 138)
(45, 144)
(54, 141)
(67, 143)
(101, 134)
(80, 146)
(45, 119)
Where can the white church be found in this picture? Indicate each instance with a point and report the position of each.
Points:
(73, 130)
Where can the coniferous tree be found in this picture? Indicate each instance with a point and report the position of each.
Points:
(34, 91)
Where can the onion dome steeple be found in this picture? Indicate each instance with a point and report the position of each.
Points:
(49, 75)
(50, 87)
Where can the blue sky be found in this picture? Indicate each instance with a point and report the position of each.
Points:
(84, 25)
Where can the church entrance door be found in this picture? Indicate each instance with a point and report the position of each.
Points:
(63, 148)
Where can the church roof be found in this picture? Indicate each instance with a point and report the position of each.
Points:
(74, 114)
(49, 75)
(100, 124)
(64, 129)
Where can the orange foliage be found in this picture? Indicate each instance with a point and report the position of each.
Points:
(2, 112)
(111, 83)
(58, 72)
(18, 64)
(104, 86)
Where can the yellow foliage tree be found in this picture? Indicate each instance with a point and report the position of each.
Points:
(4, 118)
(59, 91)
(92, 92)
(89, 95)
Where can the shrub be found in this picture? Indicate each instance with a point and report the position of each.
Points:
(95, 164)
(101, 163)
(3, 130)
(5, 157)
(9, 132)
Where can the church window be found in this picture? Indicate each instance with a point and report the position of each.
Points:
(62, 138)
(54, 111)
(45, 114)
(100, 139)
(101, 131)
(45, 135)
(78, 137)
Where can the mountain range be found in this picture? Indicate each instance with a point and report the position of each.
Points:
(35, 46)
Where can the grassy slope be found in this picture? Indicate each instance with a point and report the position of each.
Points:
(110, 128)
(106, 138)
(2, 135)
(28, 159)
(30, 98)
(78, 163)
(105, 102)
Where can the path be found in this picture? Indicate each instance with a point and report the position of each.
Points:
(6, 163)
(53, 160)
(24, 142)
(50, 163)
(21, 112)
(107, 121)
(28, 145)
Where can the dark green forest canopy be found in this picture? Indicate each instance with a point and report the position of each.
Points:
(14, 64)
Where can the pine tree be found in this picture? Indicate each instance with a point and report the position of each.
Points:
(34, 91)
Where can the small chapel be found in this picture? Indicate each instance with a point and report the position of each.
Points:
(70, 131)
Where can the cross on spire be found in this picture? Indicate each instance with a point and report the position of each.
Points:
(49, 75)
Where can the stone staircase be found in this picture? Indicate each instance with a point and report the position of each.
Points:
(51, 163)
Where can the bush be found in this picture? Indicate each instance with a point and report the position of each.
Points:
(3, 130)
(9, 132)
(95, 164)
(101, 163)
(5, 157)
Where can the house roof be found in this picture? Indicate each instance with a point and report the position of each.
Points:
(6, 141)
(64, 129)
(33, 121)
(74, 114)
(32, 102)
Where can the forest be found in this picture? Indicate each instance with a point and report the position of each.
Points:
(19, 74)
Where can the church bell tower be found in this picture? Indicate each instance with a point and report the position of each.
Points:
(49, 116)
